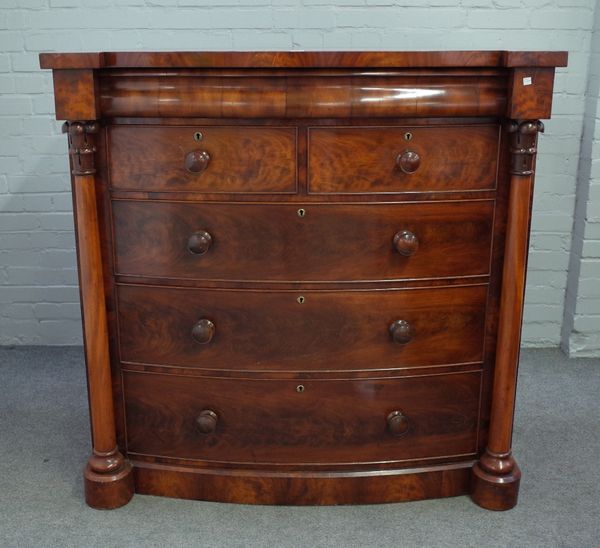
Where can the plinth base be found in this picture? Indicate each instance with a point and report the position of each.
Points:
(494, 491)
(108, 490)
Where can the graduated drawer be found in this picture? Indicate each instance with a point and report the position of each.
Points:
(312, 421)
(331, 242)
(226, 159)
(355, 160)
(301, 330)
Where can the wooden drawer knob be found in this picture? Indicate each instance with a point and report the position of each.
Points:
(199, 242)
(401, 332)
(408, 161)
(197, 161)
(207, 421)
(406, 243)
(397, 423)
(203, 331)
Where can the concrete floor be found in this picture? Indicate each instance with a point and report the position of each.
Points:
(44, 442)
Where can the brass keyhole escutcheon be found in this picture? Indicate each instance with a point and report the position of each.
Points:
(300, 388)
(301, 212)
(300, 299)
(198, 136)
(408, 136)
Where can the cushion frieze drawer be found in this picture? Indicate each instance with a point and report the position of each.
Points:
(203, 159)
(354, 160)
(295, 331)
(312, 422)
(302, 242)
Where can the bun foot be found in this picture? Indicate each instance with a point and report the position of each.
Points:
(495, 481)
(108, 480)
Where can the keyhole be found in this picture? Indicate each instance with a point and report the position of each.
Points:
(300, 299)
(408, 135)
(198, 136)
(300, 388)
(301, 212)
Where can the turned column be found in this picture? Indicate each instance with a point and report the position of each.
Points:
(496, 477)
(108, 475)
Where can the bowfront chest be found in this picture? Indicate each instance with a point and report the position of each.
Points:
(302, 274)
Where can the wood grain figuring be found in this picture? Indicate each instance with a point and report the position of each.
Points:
(301, 488)
(330, 242)
(271, 330)
(495, 282)
(536, 58)
(94, 316)
(511, 305)
(364, 160)
(75, 95)
(298, 95)
(104, 228)
(304, 59)
(329, 421)
(254, 160)
(531, 93)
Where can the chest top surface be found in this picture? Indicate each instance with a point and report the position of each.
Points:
(304, 59)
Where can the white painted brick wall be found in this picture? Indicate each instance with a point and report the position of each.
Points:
(581, 327)
(38, 296)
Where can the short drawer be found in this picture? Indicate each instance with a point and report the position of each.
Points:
(402, 159)
(307, 422)
(301, 330)
(312, 242)
(224, 159)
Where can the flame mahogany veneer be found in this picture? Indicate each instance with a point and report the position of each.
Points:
(302, 274)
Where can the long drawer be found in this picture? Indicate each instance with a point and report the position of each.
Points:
(296, 331)
(203, 159)
(402, 159)
(312, 242)
(313, 421)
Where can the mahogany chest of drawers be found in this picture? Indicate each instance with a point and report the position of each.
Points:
(302, 274)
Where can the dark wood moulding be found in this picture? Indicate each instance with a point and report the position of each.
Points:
(303, 59)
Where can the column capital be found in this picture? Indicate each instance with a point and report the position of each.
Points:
(523, 145)
(82, 147)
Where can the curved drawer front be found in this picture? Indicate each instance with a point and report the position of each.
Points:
(296, 331)
(299, 93)
(317, 421)
(203, 159)
(402, 159)
(312, 242)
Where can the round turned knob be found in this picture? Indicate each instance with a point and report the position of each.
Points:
(406, 243)
(207, 421)
(196, 161)
(401, 332)
(199, 242)
(203, 331)
(408, 161)
(397, 423)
